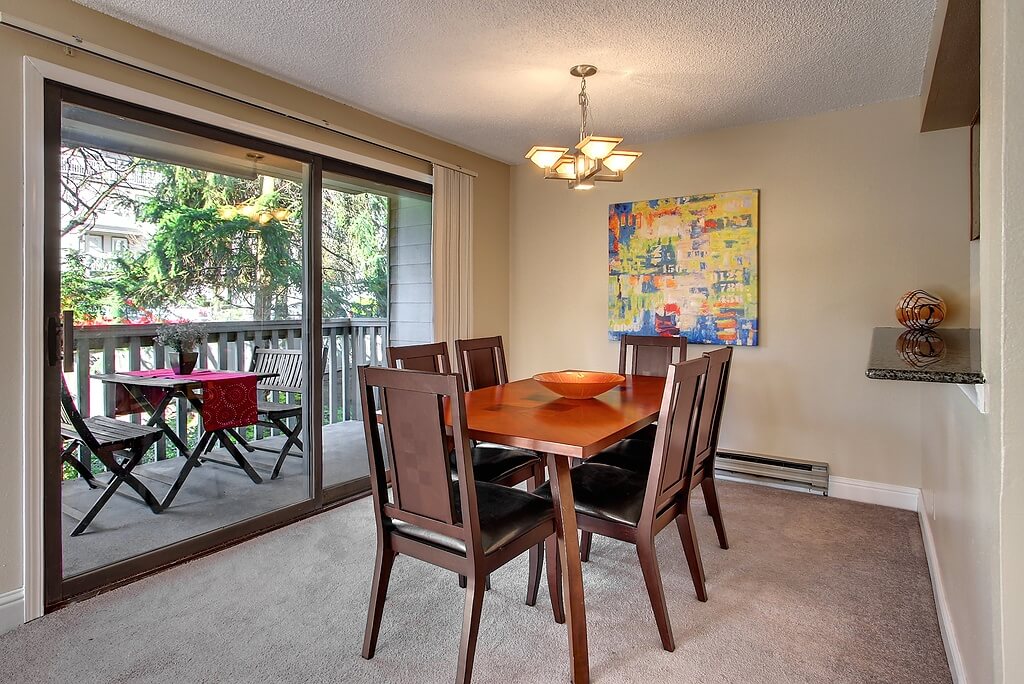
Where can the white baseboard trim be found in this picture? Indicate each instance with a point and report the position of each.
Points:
(953, 657)
(878, 493)
(12, 609)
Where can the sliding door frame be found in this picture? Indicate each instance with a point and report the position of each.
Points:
(57, 589)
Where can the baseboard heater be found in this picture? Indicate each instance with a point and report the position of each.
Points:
(803, 476)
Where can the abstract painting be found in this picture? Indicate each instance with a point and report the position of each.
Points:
(685, 266)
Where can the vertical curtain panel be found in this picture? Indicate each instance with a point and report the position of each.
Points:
(453, 255)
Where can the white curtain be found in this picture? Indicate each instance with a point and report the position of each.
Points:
(453, 255)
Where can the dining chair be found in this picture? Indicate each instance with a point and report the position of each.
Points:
(481, 361)
(432, 357)
(469, 527)
(285, 369)
(635, 454)
(630, 507)
(650, 354)
(491, 462)
(118, 444)
(642, 355)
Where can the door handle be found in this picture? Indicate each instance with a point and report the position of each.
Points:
(67, 341)
(54, 340)
(60, 338)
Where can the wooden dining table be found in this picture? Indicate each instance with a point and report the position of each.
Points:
(525, 414)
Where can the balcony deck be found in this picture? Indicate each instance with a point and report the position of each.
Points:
(213, 496)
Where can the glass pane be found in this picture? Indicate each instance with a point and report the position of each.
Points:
(376, 269)
(159, 228)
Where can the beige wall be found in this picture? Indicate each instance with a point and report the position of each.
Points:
(973, 471)
(491, 189)
(857, 207)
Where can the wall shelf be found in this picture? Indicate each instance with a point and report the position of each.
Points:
(949, 355)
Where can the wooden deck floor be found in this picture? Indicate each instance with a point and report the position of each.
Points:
(213, 496)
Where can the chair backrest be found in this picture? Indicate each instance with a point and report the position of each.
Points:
(432, 358)
(719, 364)
(650, 355)
(412, 411)
(69, 415)
(285, 364)
(678, 425)
(481, 362)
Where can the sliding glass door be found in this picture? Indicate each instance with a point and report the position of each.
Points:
(169, 241)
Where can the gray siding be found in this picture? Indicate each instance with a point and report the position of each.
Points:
(411, 304)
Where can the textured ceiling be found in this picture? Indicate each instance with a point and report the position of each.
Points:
(493, 76)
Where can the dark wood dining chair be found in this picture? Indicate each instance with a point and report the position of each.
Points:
(642, 355)
(469, 527)
(481, 361)
(650, 355)
(491, 462)
(432, 357)
(635, 454)
(630, 507)
(118, 444)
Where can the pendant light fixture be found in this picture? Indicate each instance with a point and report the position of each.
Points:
(594, 157)
(258, 215)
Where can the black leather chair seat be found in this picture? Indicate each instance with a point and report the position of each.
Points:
(646, 433)
(631, 454)
(492, 463)
(505, 515)
(604, 491)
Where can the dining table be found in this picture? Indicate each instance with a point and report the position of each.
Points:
(526, 415)
(152, 392)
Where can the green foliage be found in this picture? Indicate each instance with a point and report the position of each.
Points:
(199, 258)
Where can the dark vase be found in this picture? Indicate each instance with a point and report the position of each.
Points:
(183, 363)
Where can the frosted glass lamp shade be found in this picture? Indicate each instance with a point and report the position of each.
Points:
(546, 157)
(620, 160)
(597, 147)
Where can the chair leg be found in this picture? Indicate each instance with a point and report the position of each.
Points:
(555, 579)
(655, 590)
(586, 539)
(470, 629)
(487, 584)
(688, 535)
(118, 473)
(711, 499)
(68, 456)
(536, 552)
(293, 438)
(378, 594)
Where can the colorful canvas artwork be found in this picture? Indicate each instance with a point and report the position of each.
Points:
(685, 266)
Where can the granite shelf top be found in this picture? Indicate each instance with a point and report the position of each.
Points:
(951, 355)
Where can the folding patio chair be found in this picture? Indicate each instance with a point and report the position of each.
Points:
(119, 445)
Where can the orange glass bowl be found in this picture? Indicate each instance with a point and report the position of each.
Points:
(579, 384)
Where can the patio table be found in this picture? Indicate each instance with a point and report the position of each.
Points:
(142, 387)
(526, 415)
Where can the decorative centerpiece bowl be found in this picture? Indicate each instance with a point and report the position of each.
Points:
(575, 384)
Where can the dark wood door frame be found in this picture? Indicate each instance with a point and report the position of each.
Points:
(58, 590)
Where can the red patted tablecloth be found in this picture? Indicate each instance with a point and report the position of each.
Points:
(229, 398)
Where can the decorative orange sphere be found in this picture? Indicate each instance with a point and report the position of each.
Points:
(919, 310)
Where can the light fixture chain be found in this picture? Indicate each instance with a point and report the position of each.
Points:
(584, 108)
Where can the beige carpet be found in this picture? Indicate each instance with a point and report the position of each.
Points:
(812, 590)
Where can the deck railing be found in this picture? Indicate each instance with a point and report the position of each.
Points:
(226, 346)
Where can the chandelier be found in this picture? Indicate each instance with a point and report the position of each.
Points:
(594, 158)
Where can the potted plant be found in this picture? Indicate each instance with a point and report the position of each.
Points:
(183, 338)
